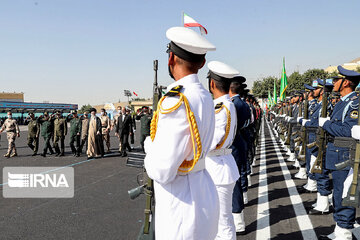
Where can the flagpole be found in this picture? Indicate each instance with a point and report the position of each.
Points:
(182, 18)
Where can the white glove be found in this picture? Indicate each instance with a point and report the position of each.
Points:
(304, 121)
(347, 183)
(147, 144)
(322, 121)
(290, 119)
(355, 132)
(298, 119)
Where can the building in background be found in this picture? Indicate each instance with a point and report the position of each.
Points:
(11, 97)
(353, 65)
(135, 105)
(15, 102)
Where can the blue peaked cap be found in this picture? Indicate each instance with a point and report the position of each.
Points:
(349, 74)
(308, 87)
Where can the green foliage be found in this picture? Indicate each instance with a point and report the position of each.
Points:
(261, 87)
(296, 81)
(85, 108)
(357, 69)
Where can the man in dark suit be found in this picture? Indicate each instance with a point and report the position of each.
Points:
(239, 150)
(123, 129)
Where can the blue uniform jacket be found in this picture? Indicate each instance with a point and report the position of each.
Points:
(342, 119)
(243, 115)
(314, 122)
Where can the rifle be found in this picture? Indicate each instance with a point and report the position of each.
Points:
(297, 129)
(320, 141)
(147, 231)
(288, 137)
(302, 153)
(352, 198)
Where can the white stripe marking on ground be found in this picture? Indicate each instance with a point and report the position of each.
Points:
(302, 218)
(263, 217)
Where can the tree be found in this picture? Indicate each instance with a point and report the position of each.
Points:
(313, 74)
(85, 108)
(296, 81)
(261, 87)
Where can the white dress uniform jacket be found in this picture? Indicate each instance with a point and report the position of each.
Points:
(223, 169)
(187, 207)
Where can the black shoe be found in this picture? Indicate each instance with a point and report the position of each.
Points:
(43, 154)
(323, 237)
(316, 212)
(62, 154)
(77, 155)
(34, 154)
(57, 155)
(51, 153)
(304, 190)
(241, 233)
(124, 155)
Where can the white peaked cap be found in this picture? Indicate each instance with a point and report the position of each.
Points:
(222, 69)
(189, 40)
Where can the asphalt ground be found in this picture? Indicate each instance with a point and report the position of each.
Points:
(285, 215)
(101, 208)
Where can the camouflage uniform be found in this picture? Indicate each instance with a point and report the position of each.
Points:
(33, 135)
(12, 129)
(75, 131)
(60, 130)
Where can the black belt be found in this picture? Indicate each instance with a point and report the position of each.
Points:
(311, 129)
(330, 139)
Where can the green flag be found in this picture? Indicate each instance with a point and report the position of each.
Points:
(275, 93)
(270, 102)
(283, 84)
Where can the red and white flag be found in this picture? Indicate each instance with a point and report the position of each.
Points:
(135, 93)
(190, 22)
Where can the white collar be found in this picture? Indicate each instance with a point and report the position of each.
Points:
(235, 96)
(192, 78)
(223, 98)
(345, 97)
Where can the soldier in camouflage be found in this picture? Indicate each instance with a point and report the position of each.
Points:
(46, 132)
(33, 133)
(75, 131)
(12, 131)
(60, 131)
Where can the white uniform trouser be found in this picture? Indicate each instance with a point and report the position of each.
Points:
(226, 227)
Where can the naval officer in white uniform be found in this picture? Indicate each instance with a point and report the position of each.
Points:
(182, 129)
(220, 163)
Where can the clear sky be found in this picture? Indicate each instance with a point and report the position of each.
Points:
(89, 51)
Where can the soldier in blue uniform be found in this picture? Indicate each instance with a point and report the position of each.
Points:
(323, 182)
(311, 126)
(239, 151)
(312, 101)
(302, 164)
(342, 119)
